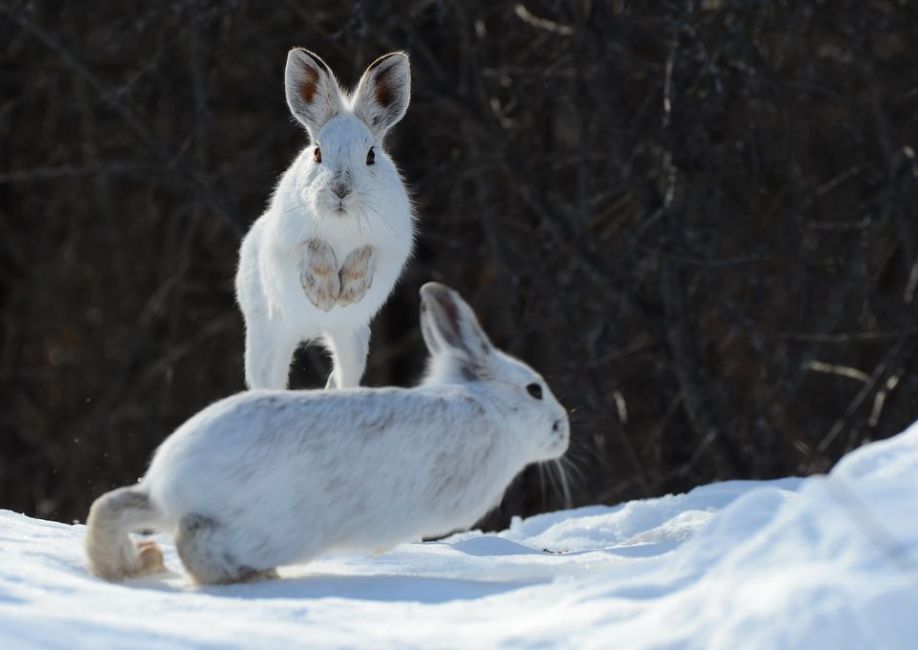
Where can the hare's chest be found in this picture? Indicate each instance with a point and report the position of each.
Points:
(343, 235)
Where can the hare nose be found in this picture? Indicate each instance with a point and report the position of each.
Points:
(341, 191)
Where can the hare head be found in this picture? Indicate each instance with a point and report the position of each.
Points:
(460, 352)
(349, 172)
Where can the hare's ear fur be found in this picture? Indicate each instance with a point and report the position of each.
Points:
(312, 91)
(449, 327)
(383, 93)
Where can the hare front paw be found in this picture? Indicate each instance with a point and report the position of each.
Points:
(356, 275)
(319, 274)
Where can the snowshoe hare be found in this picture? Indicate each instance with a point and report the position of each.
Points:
(323, 258)
(268, 478)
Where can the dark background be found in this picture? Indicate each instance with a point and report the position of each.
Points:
(696, 219)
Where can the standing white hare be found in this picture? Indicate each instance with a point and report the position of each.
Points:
(323, 258)
(267, 478)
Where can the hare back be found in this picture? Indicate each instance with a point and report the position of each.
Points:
(360, 469)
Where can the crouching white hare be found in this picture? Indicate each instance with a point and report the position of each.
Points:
(267, 478)
(324, 257)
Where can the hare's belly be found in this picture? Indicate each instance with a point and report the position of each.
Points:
(307, 318)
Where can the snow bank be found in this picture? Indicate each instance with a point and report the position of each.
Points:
(823, 562)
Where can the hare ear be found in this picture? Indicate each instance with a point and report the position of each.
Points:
(383, 93)
(428, 332)
(312, 92)
(449, 326)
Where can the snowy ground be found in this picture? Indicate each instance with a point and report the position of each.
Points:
(815, 563)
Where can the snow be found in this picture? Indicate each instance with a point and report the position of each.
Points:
(822, 562)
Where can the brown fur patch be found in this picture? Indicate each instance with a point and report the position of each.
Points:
(356, 266)
(321, 258)
(356, 275)
(319, 275)
(310, 86)
(383, 87)
(151, 558)
(451, 311)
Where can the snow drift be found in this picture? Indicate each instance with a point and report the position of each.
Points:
(822, 562)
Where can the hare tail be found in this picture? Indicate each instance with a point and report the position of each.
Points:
(110, 552)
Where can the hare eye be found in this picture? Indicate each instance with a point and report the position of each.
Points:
(317, 155)
(535, 390)
(371, 156)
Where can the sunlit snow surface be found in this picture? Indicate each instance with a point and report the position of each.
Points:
(814, 563)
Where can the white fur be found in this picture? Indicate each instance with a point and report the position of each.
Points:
(284, 476)
(377, 212)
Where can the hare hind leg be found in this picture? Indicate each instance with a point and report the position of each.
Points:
(349, 356)
(110, 551)
(205, 548)
(267, 356)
